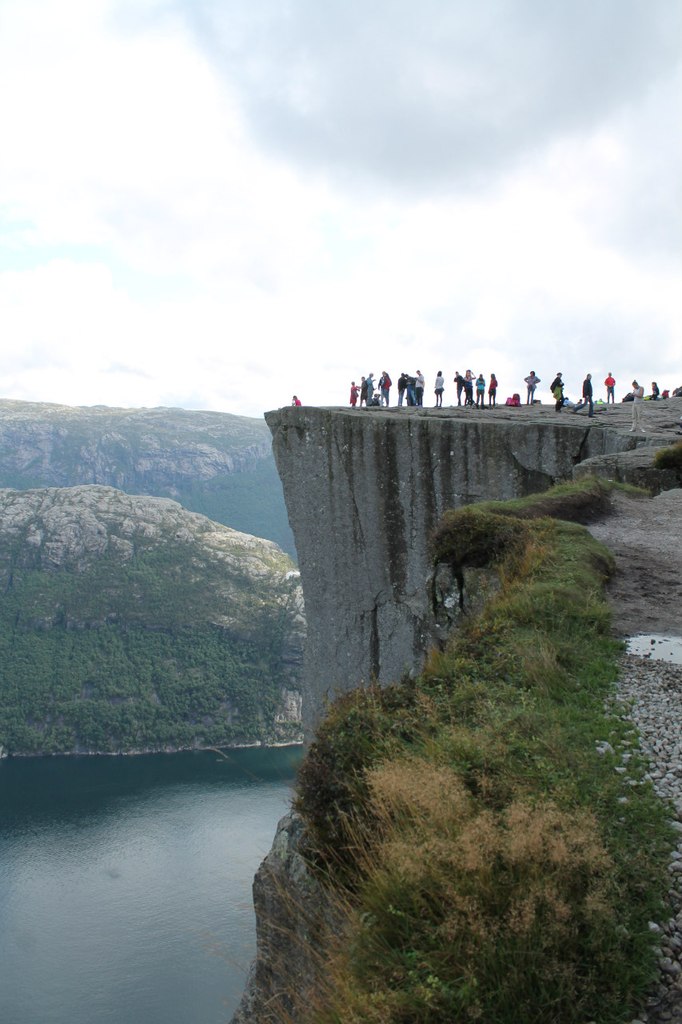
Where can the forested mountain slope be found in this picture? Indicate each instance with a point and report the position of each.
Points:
(129, 623)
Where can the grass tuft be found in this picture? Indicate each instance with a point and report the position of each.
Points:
(670, 457)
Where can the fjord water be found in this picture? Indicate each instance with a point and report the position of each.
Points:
(125, 883)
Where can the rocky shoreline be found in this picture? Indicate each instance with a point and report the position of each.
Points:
(268, 744)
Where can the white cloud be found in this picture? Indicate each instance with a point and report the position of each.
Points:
(221, 205)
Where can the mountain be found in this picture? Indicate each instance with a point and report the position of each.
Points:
(214, 463)
(128, 623)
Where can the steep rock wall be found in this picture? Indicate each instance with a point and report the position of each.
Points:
(364, 490)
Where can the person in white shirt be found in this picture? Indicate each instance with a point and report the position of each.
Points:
(439, 388)
(638, 398)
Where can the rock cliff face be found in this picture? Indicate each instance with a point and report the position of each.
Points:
(295, 916)
(364, 490)
(128, 623)
(213, 463)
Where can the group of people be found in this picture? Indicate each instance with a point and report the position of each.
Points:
(587, 397)
(411, 389)
(472, 390)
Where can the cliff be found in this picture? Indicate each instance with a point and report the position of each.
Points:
(365, 488)
(365, 491)
(129, 623)
(213, 463)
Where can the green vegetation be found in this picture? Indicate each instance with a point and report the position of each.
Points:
(181, 645)
(491, 866)
(670, 457)
(113, 689)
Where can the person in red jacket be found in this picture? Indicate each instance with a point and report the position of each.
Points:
(610, 385)
(354, 392)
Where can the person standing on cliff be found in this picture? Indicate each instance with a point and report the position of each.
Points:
(492, 390)
(480, 391)
(402, 385)
(469, 387)
(587, 395)
(385, 387)
(370, 388)
(610, 385)
(363, 391)
(637, 400)
(459, 381)
(419, 388)
(354, 393)
(557, 389)
(439, 389)
(532, 381)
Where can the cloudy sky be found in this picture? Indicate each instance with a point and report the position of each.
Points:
(217, 203)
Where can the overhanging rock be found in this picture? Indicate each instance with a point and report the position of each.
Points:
(364, 490)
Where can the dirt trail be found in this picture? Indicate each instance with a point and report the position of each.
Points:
(645, 537)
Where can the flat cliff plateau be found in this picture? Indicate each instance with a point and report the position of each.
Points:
(365, 488)
(128, 623)
(214, 463)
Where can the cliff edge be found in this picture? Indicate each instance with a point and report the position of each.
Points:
(365, 489)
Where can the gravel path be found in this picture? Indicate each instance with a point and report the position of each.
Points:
(645, 536)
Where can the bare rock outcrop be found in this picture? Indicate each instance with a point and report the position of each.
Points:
(295, 917)
(211, 462)
(365, 488)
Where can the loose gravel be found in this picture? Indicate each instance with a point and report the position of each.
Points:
(646, 597)
(651, 691)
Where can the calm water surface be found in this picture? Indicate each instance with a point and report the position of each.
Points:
(125, 884)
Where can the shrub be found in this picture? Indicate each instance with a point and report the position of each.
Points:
(670, 457)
